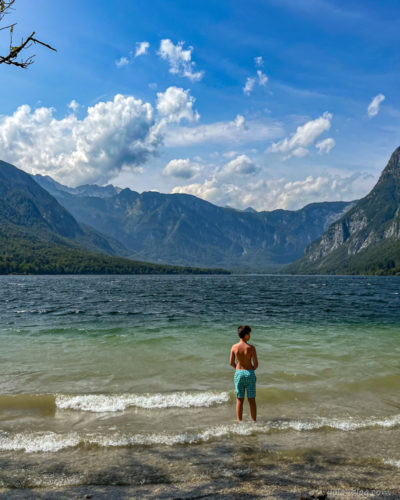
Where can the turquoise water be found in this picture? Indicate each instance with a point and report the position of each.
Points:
(120, 362)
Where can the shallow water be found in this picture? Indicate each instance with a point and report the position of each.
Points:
(135, 363)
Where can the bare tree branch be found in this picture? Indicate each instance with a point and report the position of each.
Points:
(16, 50)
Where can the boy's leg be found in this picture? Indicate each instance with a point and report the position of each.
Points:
(240, 393)
(253, 408)
(239, 408)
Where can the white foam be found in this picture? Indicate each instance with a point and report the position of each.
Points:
(342, 424)
(395, 463)
(38, 441)
(51, 442)
(101, 403)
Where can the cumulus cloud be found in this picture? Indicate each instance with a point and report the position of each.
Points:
(123, 61)
(175, 104)
(114, 135)
(241, 165)
(259, 62)
(179, 59)
(305, 136)
(183, 168)
(141, 48)
(227, 132)
(249, 85)
(326, 145)
(375, 104)
(279, 193)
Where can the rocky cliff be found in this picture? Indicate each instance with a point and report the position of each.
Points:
(367, 238)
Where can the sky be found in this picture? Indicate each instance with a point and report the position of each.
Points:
(265, 103)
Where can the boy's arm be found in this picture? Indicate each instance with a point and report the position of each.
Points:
(232, 360)
(254, 358)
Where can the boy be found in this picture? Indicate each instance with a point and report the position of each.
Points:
(244, 360)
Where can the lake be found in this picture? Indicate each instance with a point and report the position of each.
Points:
(126, 379)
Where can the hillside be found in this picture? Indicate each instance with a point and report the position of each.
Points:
(181, 229)
(38, 235)
(366, 240)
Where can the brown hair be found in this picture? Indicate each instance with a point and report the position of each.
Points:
(243, 330)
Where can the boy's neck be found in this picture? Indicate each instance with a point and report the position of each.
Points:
(243, 341)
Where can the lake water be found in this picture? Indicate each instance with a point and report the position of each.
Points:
(126, 379)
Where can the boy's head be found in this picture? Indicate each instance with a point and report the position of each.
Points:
(243, 330)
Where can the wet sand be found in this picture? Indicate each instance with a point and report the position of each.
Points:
(207, 473)
(215, 490)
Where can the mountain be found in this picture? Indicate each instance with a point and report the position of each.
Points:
(366, 240)
(24, 203)
(181, 229)
(38, 235)
(86, 190)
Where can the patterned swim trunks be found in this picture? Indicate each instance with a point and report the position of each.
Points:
(245, 380)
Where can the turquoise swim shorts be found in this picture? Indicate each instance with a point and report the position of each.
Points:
(245, 380)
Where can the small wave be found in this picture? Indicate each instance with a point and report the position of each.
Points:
(394, 463)
(341, 424)
(373, 384)
(50, 442)
(35, 442)
(100, 403)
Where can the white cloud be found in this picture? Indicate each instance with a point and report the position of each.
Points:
(251, 82)
(326, 145)
(230, 154)
(176, 104)
(262, 78)
(241, 165)
(114, 135)
(123, 61)
(304, 136)
(209, 190)
(74, 105)
(183, 168)
(300, 152)
(180, 60)
(249, 85)
(141, 48)
(235, 131)
(374, 105)
(259, 61)
(279, 193)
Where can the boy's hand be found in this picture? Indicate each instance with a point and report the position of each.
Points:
(254, 358)
(232, 360)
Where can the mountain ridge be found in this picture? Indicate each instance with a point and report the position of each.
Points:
(181, 229)
(367, 238)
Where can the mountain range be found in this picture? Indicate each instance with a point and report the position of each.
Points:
(48, 227)
(366, 240)
(181, 229)
(38, 235)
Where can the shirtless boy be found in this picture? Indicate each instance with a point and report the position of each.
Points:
(244, 360)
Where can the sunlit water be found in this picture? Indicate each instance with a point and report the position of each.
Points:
(99, 367)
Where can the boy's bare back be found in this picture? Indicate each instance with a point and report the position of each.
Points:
(245, 356)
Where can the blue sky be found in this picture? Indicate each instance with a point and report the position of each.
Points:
(263, 103)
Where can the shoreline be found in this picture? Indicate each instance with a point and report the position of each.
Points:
(218, 489)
